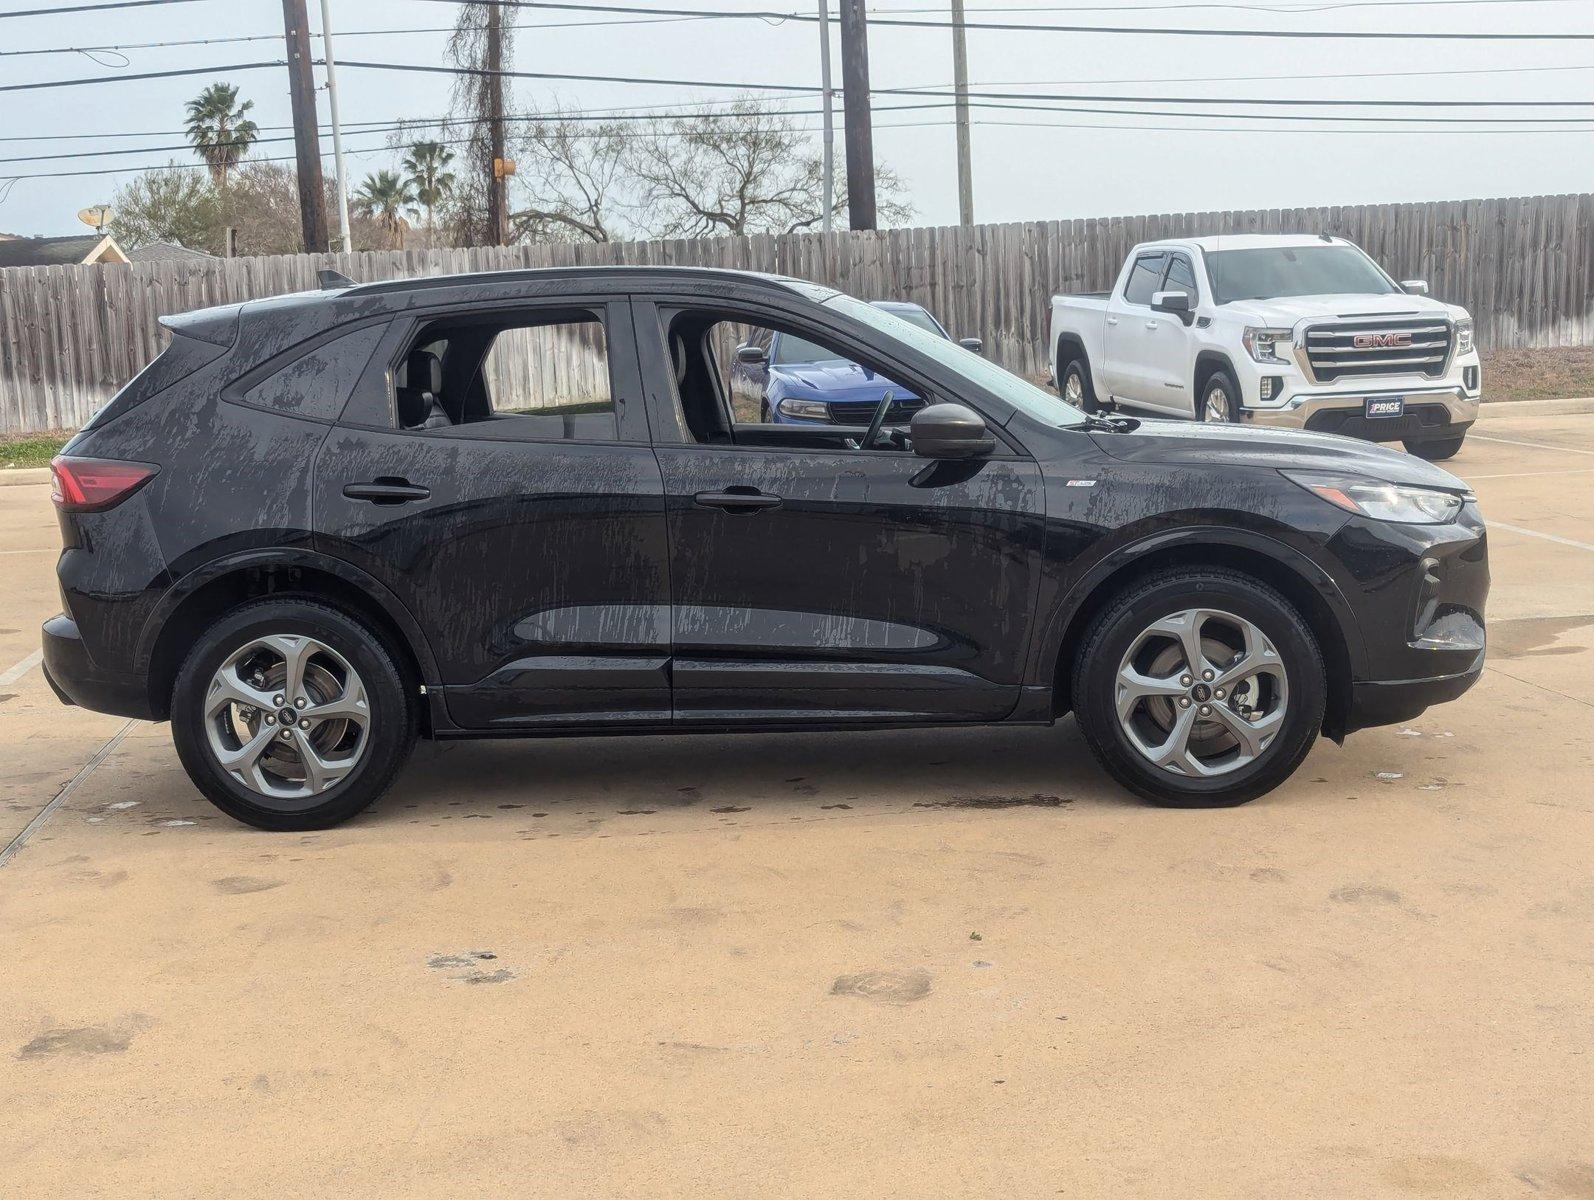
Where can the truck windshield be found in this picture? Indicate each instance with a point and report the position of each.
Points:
(1036, 403)
(1275, 271)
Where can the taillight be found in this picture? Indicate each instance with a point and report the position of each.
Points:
(95, 484)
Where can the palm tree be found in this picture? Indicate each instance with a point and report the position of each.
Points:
(383, 196)
(218, 129)
(429, 178)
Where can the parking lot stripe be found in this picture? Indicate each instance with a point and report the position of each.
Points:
(1535, 474)
(45, 813)
(1483, 437)
(18, 670)
(1549, 537)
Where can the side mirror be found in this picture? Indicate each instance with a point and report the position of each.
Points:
(974, 344)
(750, 355)
(949, 431)
(1177, 303)
(1414, 287)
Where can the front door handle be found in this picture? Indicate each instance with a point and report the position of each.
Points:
(734, 500)
(1112, 320)
(386, 491)
(1153, 324)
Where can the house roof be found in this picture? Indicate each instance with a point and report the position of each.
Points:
(59, 251)
(166, 252)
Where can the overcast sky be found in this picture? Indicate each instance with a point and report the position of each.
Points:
(1023, 170)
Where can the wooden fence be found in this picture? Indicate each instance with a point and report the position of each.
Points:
(70, 336)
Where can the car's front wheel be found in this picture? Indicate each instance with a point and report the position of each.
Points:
(288, 714)
(1199, 688)
(1075, 387)
(1220, 399)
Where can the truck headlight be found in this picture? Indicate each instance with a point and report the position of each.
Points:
(1381, 501)
(812, 409)
(1464, 336)
(1266, 345)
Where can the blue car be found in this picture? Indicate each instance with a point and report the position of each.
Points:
(801, 383)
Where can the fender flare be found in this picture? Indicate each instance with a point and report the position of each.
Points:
(1218, 358)
(288, 558)
(1068, 607)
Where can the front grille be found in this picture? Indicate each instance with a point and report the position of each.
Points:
(1353, 422)
(1419, 346)
(861, 412)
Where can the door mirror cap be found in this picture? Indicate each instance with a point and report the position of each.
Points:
(1414, 287)
(974, 344)
(750, 355)
(949, 431)
(1171, 302)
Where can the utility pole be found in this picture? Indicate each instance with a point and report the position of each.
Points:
(960, 83)
(829, 158)
(345, 242)
(497, 182)
(306, 139)
(855, 100)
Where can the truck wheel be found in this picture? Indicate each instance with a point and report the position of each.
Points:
(1437, 450)
(291, 715)
(1075, 386)
(1220, 399)
(1199, 688)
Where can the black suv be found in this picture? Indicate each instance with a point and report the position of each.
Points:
(534, 503)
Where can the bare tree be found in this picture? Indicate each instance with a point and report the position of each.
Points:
(174, 204)
(473, 104)
(738, 171)
(571, 175)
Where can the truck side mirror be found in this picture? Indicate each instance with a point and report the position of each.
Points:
(1414, 287)
(973, 344)
(750, 355)
(949, 431)
(1177, 303)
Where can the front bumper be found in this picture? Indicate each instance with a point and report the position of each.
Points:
(1393, 701)
(75, 679)
(1432, 412)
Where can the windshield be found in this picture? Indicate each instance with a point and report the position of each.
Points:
(1294, 271)
(1033, 401)
(791, 350)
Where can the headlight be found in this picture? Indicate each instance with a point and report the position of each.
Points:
(1381, 501)
(792, 407)
(1464, 336)
(1266, 345)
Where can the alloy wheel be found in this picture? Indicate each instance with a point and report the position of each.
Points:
(287, 716)
(1216, 408)
(1074, 389)
(1201, 693)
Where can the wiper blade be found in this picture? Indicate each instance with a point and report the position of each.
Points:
(1114, 424)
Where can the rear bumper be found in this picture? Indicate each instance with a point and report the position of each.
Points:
(75, 679)
(1387, 703)
(1431, 413)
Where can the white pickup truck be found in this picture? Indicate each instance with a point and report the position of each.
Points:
(1300, 332)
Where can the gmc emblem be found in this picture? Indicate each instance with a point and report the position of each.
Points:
(1382, 341)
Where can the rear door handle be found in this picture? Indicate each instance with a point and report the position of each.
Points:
(386, 491)
(750, 501)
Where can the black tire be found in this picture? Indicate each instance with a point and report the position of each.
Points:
(394, 714)
(1079, 368)
(1220, 380)
(1112, 635)
(765, 415)
(1437, 450)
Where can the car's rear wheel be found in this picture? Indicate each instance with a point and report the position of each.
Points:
(1199, 688)
(288, 714)
(1436, 450)
(1075, 387)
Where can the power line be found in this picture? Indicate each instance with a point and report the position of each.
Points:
(62, 10)
(56, 83)
(768, 15)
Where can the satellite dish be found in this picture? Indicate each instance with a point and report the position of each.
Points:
(96, 215)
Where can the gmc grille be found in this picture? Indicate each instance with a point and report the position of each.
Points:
(1401, 347)
(861, 412)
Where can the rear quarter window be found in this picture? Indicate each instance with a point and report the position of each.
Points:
(317, 383)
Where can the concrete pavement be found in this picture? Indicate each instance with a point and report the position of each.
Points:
(915, 964)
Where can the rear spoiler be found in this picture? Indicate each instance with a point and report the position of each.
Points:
(218, 325)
